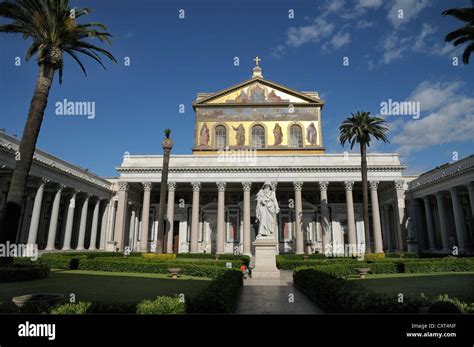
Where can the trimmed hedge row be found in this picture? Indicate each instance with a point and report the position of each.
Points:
(146, 266)
(336, 295)
(239, 257)
(343, 266)
(23, 271)
(220, 296)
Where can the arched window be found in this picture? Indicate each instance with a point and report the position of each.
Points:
(296, 137)
(221, 136)
(258, 136)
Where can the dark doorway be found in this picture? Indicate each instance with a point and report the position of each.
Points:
(175, 237)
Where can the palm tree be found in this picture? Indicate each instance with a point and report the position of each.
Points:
(464, 34)
(52, 25)
(360, 128)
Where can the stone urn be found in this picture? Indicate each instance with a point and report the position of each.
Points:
(363, 271)
(46, 299)
(174, 272)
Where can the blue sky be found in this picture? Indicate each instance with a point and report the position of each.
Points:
(172, 59)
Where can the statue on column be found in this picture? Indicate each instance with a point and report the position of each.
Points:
(266, 211)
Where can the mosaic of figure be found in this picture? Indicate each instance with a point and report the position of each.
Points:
(311, 134)
(239, 135)
(204, 136)
(277, 134)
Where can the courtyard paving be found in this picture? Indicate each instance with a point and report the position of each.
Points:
(274, 296)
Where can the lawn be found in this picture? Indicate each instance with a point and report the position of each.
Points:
(455, 284)
(107, 287)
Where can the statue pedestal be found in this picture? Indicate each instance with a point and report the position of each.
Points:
(265, 259)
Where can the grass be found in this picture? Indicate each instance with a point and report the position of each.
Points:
(107, 287)
(456, 284)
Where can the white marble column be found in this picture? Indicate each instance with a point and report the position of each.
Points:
(121, 215)
(220, 217)
(145, 229)
(443, 222)
(83, 224)
(399, 213)
(69, 222)
(325, 226)
(95, 225)
(111, 221)
(131, 232)
(458, 220)
(429, 224)
(349, 185)
(376, 217)
(103, 226)
(170, 216)
(53, 224)
(299, 239)
(247, 235)
(35, 217)
(195, 217)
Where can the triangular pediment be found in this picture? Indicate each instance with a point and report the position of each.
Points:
(257, 91)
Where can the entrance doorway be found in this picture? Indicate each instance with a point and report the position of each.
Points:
(175, 237)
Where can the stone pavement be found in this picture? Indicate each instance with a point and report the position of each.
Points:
(272, 296)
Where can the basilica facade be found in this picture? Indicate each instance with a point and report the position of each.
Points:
(253, 132)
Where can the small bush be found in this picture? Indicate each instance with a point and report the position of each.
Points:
(161, 305)
(220, 296)
(72, 308)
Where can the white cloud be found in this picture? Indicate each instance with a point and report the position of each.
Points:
(420, 40)
(340, 40)
(410, 8)
(450, 118)
(369, 3)
(315, 32)
(432, 95)
(363, 24)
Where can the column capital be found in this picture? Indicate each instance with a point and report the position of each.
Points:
(399, 185)
(440, 194)
(221, 186)
(453, 190)
(196, 186)
(298, 186)
(323, 185)
(172, 186)
(349, 185)
(246, 186)
(123, 186)
(373, 185)
(147, 186)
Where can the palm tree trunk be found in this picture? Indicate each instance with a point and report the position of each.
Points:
(365, 195)
(16, 193)
(161, 209)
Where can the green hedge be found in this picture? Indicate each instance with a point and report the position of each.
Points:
(237, 257)
(162, 305)
(149, 266)
(345, 266)
(220, 296)
(23, 271)
(336, 295)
